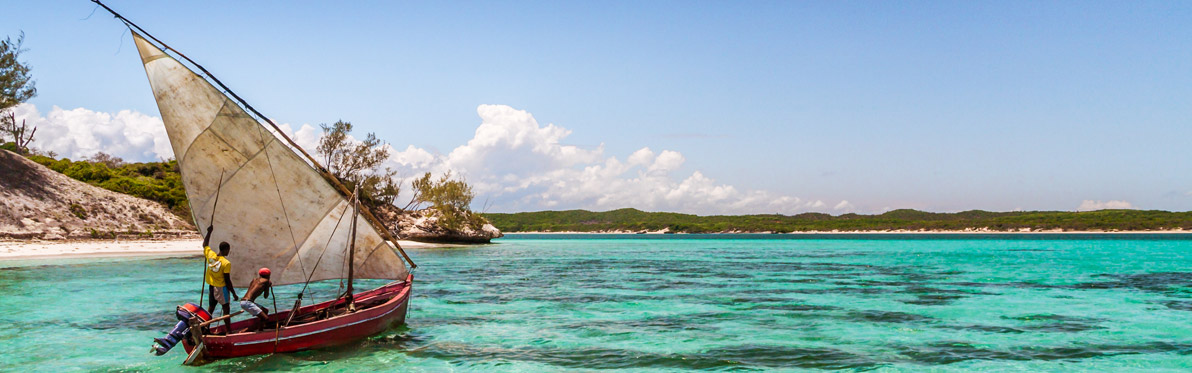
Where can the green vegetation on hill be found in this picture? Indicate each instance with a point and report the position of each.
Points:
(636, 220)
(154, 181)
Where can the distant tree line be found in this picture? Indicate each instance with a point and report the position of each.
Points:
(912, 220)
(161, 182)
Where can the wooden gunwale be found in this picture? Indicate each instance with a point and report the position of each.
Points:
(338, 329)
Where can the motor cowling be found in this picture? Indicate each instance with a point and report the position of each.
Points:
(188, 310)
(185, 313)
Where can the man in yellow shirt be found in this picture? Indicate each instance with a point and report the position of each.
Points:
(218, 277)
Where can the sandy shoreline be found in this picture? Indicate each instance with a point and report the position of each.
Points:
(13, 249)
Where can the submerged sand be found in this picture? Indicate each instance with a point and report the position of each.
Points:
(110, 248)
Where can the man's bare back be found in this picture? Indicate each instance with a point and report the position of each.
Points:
(259, 286)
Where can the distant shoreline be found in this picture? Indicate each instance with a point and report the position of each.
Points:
(875, 232)
(629, 220)
(55, 249)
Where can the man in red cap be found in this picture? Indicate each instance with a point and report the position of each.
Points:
(259, 286)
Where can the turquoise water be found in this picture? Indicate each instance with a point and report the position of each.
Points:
(676, 302)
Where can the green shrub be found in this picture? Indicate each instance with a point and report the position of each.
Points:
(155, 181)
(78, 211)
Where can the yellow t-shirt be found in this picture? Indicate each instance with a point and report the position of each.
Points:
(216, 267)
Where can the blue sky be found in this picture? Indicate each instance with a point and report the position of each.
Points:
(769, 106)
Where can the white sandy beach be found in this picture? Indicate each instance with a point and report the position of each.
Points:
(109, 248)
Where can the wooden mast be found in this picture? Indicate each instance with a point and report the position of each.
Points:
(352, 247)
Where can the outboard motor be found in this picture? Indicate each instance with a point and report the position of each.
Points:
(181, 330)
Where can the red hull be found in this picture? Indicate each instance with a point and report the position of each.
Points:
(327, 332)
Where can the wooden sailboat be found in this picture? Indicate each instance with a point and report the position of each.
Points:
(277, 208)
(349, 317)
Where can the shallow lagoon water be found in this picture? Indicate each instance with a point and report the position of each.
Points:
(676, 302)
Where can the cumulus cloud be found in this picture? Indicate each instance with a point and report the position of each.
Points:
(513, 162)
(510, 142)
(645, 157)
(844, 205)
(520, 165)
(667, 161)
(1091, 205)
(307, 135)
(80, 133)
(412, 157)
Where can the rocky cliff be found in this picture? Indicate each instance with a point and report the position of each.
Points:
(424, 226)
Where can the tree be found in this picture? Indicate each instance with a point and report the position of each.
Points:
(108, 160)
(358, 162)
(20, 140)
(334, 140)
(16, 86)
(452, 198)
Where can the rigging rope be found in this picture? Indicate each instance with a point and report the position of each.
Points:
(347, 258)
(209, 75)
(320, 260)
(298, 302)
(282, 201)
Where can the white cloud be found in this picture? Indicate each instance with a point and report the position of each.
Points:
(412, 157)
(1090, 205)
(307, 135)
(505, 132)
(645, 157)
(80, 133)
(667, 161)
(513, 163)
(521, 165)
(844, 205)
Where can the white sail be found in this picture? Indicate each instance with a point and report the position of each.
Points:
(274, 209)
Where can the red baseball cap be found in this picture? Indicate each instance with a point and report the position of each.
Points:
(264, 272)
